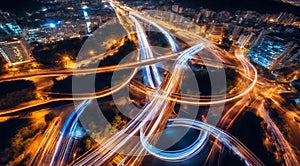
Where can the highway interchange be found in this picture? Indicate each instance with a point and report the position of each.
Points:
(137, 139)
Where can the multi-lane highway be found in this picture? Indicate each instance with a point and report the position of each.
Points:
(152, 77)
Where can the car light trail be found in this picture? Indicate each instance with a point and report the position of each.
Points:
(175, 46)
(176, 155)
(157, 109)
(146, 53)
(63, 143)
(230, 142)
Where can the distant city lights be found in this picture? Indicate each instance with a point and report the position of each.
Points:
(52, 25)
(44, 9)
(84, 7)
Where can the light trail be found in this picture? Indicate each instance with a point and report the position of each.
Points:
(130, 65)
(157, 108)
(229, 141)
(168, 155)
(146, 53)
(45, 145)
(87, 96)
(248, 67)
(64, 141)
(175, 46)
(56, 73)
(61, 154)
(288, 153)
(153, 82)
(176, 155)
(182, 154)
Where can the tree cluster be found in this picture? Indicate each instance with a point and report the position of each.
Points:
(15, 92)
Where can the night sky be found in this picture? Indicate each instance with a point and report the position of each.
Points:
(18, 6)
(262, 6)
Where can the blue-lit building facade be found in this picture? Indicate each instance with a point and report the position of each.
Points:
(8, 25)
(11, 28)
(275, 51)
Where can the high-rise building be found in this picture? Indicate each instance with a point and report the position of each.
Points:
(236, 32)
(275, 51)
(9, 25)
(216, 32)
(14, 52)
(175, 8)
(244, 40)
(172, 17)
